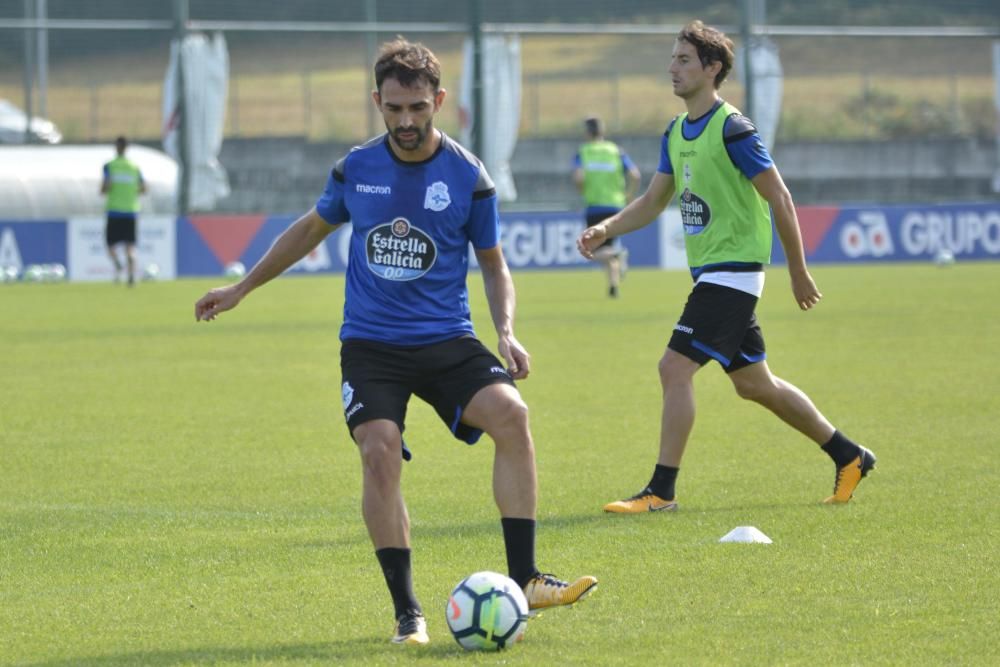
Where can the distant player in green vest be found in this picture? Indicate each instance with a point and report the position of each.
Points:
(122, 184)
(729, 189)
(607, 178)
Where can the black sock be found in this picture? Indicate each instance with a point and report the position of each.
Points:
(519, 539)
(399, 578)
(841, 449)
(663, 481)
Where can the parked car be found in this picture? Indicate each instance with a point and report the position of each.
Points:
(12, 122)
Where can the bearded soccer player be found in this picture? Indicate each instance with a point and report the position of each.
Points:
(416, 200)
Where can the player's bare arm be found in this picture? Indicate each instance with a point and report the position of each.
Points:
(295, 243)
(632, 179)
(637, 214)
(772, 188)
(500, 295)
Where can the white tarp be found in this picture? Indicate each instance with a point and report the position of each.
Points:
(501, 71)
(206, 81)
(51, 182)
(768, 80)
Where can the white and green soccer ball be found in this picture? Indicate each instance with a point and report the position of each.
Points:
(944, 257)
(10, 274)
(151, 272)
(54, 273)
(34, 273)
(487, 612)
(235, 270)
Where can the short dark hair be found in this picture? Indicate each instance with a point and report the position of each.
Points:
(121, 143)
(712, 45)
(594, 126)
(408, 63)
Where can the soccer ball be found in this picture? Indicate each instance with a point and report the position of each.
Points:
(151, 272)
(34, 273)
(10, 274)
(944, 257)
(54, 272)
(487, 612)
(235, 270)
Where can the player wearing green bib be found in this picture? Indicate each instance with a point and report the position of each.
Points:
(607, 178)
(728, 191)
(122, 184)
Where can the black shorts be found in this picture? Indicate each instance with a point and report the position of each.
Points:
(120, 229)
(378, 380)
(594, 218)
(719, 323)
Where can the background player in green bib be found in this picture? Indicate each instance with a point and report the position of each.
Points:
(728, 189)
(607, 179)
(122, 184)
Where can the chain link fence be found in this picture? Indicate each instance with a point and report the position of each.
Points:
(301, 68)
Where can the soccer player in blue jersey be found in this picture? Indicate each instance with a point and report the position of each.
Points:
(416, 201)
(729, 190)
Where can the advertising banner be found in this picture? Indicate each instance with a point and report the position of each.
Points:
(34, 242)
(671, 230)
(155, 249)
(207, 244)
(898, 233)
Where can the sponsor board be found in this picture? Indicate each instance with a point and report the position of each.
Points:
(23, 243)
(88, 254)
(898, 233)
(672, 233)
(207, 243)
(204, 245)
(547, 240)
(542, 240)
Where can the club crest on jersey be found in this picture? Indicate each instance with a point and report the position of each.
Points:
(695, 213)
(437, 198)
(347, 394)
(399, 251)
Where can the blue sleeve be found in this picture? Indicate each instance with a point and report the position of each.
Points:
(577, 162)
(665, 166)
(627, 162)
(107, 172)
(745, 147)
(484, 222)
(330, 205)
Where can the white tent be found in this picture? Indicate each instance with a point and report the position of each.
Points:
(52, 182)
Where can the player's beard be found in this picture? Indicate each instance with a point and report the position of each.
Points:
(414, 142)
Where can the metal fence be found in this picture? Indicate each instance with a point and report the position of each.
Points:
(301, 68)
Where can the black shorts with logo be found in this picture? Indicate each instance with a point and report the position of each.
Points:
(719, 323)
(378, 380)
(594, 218)
(120, 229)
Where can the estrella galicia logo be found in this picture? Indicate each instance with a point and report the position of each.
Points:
(437, 198)
(695, 213)
(399, 251)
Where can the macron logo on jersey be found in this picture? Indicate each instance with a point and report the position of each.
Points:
(366, 189)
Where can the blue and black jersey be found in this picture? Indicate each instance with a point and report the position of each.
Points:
(412, 223)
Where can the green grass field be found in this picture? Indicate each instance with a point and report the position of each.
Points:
(174, 493)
